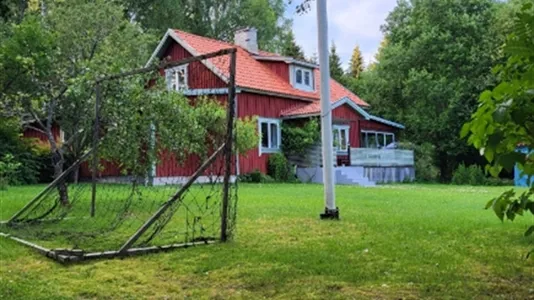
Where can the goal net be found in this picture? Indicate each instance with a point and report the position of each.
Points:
(157, 172)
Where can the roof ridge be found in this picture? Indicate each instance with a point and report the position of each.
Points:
(205, 38)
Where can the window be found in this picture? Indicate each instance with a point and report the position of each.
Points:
(176, 78)
(298, 76)
(270, 135)
(302, 78)
(376, 139)
(341, 138)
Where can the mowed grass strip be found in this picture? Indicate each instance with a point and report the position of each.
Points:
(398, 241)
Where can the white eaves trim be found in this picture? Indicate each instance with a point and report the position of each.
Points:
(287, 60)
(171, 34)
(366, 115)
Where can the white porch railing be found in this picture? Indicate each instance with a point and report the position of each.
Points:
(381, 157)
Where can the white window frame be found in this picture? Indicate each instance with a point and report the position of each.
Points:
(302, 86)
(270, 121)
(376, 133)
(176, 70)
(340, 129)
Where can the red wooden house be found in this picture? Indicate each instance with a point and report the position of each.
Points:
(274, 88)
(271, 87)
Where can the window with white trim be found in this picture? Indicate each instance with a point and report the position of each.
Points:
(176, 78)
(271, 135)
(376, 139)
(341, 138)
(302, 78)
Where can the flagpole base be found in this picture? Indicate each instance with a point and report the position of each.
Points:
(330, 214)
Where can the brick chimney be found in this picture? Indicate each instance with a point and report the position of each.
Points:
(248, 39)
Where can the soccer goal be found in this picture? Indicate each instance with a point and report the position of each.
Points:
(158, 172)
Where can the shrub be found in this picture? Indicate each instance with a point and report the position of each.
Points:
(23, 151)
(425, 169)
(279, 168)
(8, 167)
(298, 139)
(472, 175)
(255, 177)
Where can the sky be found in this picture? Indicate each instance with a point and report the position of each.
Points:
(350, 23)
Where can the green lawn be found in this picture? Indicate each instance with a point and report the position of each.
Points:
(401, 241)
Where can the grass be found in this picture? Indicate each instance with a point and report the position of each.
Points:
(401, 241)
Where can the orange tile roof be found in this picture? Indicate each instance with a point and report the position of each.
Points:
(253, 74)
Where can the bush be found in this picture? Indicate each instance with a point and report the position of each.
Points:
(472, 175)
(491, 181)
(279, 168)
(23, 151)
(298, 139)
(425, 169)
(8, 167)
(255, 177)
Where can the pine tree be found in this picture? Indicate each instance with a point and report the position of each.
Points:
(379, 54)
(314, 59)
(336, 70)
(356, 63)
(291, 48)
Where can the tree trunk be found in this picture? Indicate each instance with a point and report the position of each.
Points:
(58, 162)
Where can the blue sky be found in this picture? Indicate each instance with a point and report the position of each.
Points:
(350, 23)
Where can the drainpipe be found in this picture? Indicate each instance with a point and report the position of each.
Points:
(331, 211)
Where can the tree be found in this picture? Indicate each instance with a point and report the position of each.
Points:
(431, 70)
(336, 70)
(356, 63)
(49, 62)
(290, 47)
(505, 118)
(49, 66)
(313, 59)
(217, 19)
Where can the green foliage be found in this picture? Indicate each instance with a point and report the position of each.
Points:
(508, 206)
(217, 19)
(336, 70)
(22, 150)
(298, 139)
(8, 167)
(472, 175)
(182, 127)
(425, 168)
(51, 60)
(433, 65)
(505, 116)
(290, 47)
(279, 168)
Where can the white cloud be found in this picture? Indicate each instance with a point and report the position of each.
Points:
(351, 23)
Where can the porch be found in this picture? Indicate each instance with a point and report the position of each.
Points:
(363, 166)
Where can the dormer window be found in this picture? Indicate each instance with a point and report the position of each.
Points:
(176, 78)
(302, 78)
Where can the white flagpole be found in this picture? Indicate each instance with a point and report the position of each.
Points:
(331, 210)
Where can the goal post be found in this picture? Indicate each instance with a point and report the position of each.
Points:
(194, 199)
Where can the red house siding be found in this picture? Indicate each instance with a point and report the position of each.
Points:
(249, 104)
(169, 166)
(199, 76)
(31, 133)
(372, 125)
